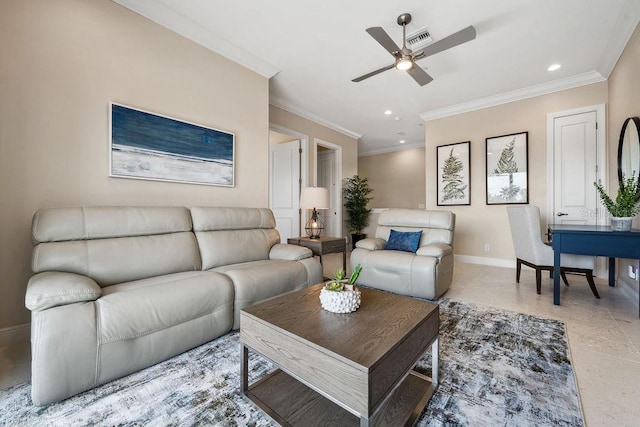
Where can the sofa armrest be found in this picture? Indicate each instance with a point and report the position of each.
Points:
(372, 244)
(52, 288)
(287, 252)
(437, 250)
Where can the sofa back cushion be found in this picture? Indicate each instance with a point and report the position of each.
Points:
(233, 235)
(114, 244)
(436, 226)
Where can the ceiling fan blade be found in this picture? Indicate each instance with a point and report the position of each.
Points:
(383, 38)
(448, 42)
(373, 73)
(419, 75)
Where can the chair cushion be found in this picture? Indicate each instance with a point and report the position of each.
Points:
(407, 241)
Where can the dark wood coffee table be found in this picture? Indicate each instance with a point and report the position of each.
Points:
(341, 369)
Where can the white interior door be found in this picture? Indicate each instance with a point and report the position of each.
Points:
(575, 169)
(284, 188)
(326, 179)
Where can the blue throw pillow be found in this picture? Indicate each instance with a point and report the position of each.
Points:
(403, 241)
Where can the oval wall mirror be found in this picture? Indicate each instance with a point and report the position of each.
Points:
(629, 149)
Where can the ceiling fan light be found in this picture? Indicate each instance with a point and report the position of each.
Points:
(404, 64)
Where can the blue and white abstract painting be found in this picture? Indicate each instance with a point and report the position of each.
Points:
(150, 146)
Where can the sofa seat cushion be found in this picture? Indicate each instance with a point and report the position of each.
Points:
(259, 280)
(395, 271)
(147, 321)
(130, 310)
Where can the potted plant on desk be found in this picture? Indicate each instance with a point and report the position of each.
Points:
(625, 206)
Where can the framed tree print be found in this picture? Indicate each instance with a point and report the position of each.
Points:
(453, 174)
(507, 169)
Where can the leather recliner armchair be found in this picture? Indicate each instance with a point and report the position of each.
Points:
(427, 273)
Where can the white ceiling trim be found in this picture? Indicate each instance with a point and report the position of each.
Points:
(515, 95)
(624, 28)
(276, 102)
(182, 25)
(402, 147)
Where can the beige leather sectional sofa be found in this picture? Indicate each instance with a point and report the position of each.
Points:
(425, 273)
(117, 289)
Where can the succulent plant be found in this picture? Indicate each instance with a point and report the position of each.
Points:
(355, 274)
(340, 281)
(334, 286)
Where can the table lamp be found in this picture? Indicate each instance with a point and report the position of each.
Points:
(314, 198)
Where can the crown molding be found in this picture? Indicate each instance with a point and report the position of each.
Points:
(624, 28)
(403, 147)
(276, 102)
(178, 23)
(515, 95)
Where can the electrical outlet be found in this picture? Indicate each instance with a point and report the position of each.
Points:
(487, 247)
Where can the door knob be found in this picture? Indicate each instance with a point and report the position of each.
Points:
(562, 213)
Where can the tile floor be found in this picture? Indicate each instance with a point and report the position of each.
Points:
(604, 335)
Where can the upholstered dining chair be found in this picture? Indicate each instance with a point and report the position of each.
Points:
(533, 252)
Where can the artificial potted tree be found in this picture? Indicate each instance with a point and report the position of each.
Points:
(356, 197)
(625, 206)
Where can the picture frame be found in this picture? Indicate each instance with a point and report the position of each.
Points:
(453, 180)
(507, 169)
(150, 146)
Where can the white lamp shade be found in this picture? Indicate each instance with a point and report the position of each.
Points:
(314, 197)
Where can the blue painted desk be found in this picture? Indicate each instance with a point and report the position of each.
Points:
(592, 240)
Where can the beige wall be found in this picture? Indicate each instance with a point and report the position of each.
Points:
(479, 224)
(280, 117)
(61, 64)
(624, 101)
(397, 178)
(278, 138)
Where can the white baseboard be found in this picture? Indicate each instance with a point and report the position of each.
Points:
(15, 334)
(494, 262)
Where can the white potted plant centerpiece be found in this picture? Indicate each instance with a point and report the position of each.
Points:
(340, 295)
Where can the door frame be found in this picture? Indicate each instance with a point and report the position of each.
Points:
(337, 198)
(601, 153)
(304, 167)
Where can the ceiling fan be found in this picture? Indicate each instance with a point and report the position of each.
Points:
(405, 58)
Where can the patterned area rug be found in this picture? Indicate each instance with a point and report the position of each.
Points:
(497, 368)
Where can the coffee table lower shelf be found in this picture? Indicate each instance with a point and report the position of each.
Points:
(291, 403)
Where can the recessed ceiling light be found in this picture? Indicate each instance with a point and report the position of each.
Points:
(554, 67)
(388, 112)
(397, 118)
(402, 141)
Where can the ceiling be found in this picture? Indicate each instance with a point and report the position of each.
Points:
(310, 51)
